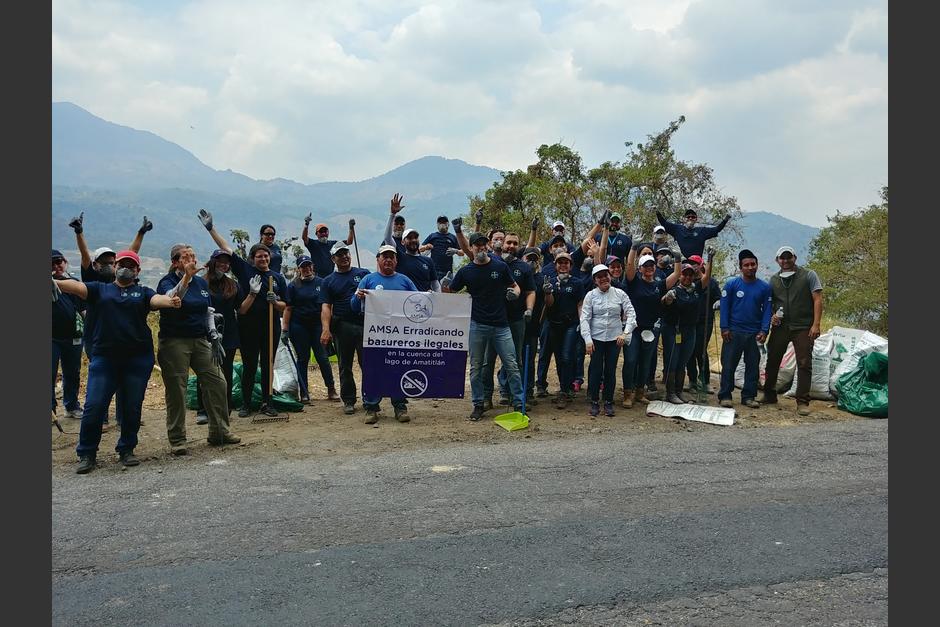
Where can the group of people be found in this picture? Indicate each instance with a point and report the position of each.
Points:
(558, 300)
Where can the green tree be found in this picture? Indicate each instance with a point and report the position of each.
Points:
(858, 241)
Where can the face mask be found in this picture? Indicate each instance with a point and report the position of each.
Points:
(665, 260)
(787, 274)
(534, 264)
(689, 223)
(307, 278)
(660, 238)
(441, 228)
(563, 276)
(323, 239)
(507, 256)
(397, 232)
(497, 245)
(480, 256)
(557, 251)
(107, 273)
(125, 274)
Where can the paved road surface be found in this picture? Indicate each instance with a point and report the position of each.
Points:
(724, 526)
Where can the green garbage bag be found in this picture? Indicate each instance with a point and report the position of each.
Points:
(279, 401)
(864, 390)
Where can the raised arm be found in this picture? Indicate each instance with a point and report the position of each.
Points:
(532, 232)
(712, 231)
(669, 226)
(629, 270)
(461, 238)
(305, 234)
(352, 233)
(77, 225)
(673, 278)
(602, 249)
(139, 238)
(707, 275)
(589, 238)
(206, 218)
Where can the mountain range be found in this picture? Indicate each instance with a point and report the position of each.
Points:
(117, 174)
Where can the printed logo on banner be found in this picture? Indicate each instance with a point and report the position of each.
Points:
(414, 383)
(418, 307)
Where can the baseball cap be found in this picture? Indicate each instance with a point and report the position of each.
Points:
(398, 218)
(562, 256)
(338, 246)
(695, 259)
(532, 250)
(442, 219)
(662, 250)
(386, 248)
(104, 250)
(599, 268)
(408, 232)
(558, 223)
(304, 259)
(127, 254)
(317, 228)
(659, 229)
(557, 238)
(785, 249)
(646, 259)
(687, 266)
(476, 237)
(616, 216)
(690, 212)
(612, 259)
(57, 255)
(218, 252)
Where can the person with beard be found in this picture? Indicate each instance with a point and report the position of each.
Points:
(443, 247)
(68, 318)
(690, 236)
(302, 321)
(339, 322)
(618, 244)
(704, 324)
(744, 322)
(395, 228)
(798, 291)
(490, 283)
(320, 247)
(415, 266)
(121, 354)
(563, 296)
(255, 324)
(533, 257)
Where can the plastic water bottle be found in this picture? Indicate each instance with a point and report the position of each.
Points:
(779, 313)
(658, 325)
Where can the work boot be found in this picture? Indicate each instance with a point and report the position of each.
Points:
(768, 398)
(85, 464)
(726, 402)
(627, 399)
(349, 409)
(608, 409)
(228, 438)
(331, 394)
(244, 412)
(751, 402)
(802, 409)
(639, 395)
(128, 459)
(372, 416)
(401, 414)
(671, 395)
(680, 379)
(268, 410)
(202, 418)
(477, 413)
(504, 400)
(488, 403)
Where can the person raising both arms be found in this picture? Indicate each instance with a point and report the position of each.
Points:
(689, 235)
(320, 246)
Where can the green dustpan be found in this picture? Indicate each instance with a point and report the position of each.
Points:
(513, 421)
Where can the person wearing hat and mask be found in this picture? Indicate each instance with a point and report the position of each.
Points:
(302, 322)
(660, 237)
(340, 323)
(681, 306)
(798, 291)
(68, 323)
(704, 325)
(563, 296)
(606, 322)
(744, 322)
(384, 278)
(689, 235)
(415, 266)
(490, 284)
(122, 354)
(443, 246)
(548, 247)
(255, 324)
(320, 246)
(646, 296)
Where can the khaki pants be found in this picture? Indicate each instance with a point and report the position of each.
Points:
(176, 356)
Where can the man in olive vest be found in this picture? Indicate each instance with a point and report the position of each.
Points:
(798, 292)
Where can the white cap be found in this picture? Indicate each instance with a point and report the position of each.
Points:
(338, 246)
(659, 229)
(644, 259)
(785, 249)
(407, 232)
(558, 223)
(386, 248)
(599, 268)
(104, 250)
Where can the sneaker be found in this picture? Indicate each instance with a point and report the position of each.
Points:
(86, 465)
(372, 416)
(608, 409)
(488, 404)
(267, 410)
(331, 394)
(228, 438)
(74, 414)
(595, 408)
(244, 412)
(477, 413)
(751, 402)
(541, 392)
(651, 387)
(128, 459)
(349, 409)
(202, 418)
(401, 414)
(768, 399)
(726, 402)
(802, 409)
(504, 400)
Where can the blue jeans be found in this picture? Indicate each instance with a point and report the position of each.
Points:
(563, 340)
(731, 352)
(71, 357)
(305, 335)
(517, 330)
(482, 335)
(636, 361)
(677, 356)
(545, 357)
(108, 374)
(603, 367)
(118, 396)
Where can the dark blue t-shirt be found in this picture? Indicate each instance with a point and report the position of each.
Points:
(229, 309)
(120, 318)
(618, 244)
(64, 312)
(646, 300)
(686, 309)
(306, 299)
(522, 275)
(486, 285)
(441, 242)
(418, 268)
(276, 257)
(190, 320)
(547, 256)
(338, 288)
(567, 295)
(320, 255)
(244, 271)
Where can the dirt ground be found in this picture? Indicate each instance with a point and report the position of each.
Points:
(322, 429)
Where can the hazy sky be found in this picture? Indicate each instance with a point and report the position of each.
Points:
(787, 101)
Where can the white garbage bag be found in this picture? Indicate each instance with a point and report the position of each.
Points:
(285, 371)
(822, 370)
(850, 346)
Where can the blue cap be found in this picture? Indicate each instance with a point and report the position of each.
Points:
(218, 252)
(57, 255)
(303, 259)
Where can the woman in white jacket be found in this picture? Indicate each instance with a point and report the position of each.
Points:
(607, 322)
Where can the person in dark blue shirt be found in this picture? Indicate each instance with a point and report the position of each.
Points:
(184, 345)
(302, 322)
(320, 246)
(533, 257)
(443, 247)
(490, 283)
(690, 236)
(698, 364)
(417, 267)
(562, 313)
(548, 247)
(618, 244)
(122, 355)
(340, 323)
(267, 239)
(67, 329)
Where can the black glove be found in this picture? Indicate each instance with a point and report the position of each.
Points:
(457, 223)
(535, 224)
(206, 218)
(218, 353)
(604, 219)
(146, 226)
(352, 223)
(76, 223)
(308, 219)
(284, 338)
(478, 216)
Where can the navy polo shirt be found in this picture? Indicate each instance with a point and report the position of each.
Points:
(440, 243)
(646, 300)
(244, 271)
(120, 315)
(486, 285)
(306, 299)
(618, 244)
(338, 288)
(522, 275)
(546, 253)
(64, 312)
(567, 295)
(190, 319)
(229, 309)
(320, 255)
(418, 268)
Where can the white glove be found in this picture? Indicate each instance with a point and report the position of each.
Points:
(206, 218)
(511, 294)
(452, 251)
(254, 284)
(56, 292)
(627, 338)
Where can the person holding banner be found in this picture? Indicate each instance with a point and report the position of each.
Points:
(385, 278)
(339, 322)
(490, 284)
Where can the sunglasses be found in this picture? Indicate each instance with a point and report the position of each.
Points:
(268, 234)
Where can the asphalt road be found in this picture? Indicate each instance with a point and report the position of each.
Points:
(723, 526)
